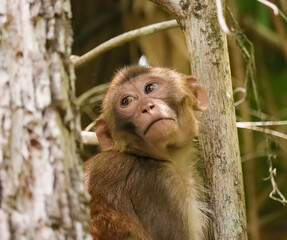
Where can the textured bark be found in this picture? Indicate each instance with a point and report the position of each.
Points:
(208, 52)
(41, 189)
(223, 172)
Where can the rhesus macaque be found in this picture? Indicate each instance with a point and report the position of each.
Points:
(143, 185)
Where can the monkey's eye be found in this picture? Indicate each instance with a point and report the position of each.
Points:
(150, 87)
(127, 100)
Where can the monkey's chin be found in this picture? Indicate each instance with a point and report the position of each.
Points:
(161, 130)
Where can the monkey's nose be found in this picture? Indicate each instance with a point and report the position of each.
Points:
(147, 108)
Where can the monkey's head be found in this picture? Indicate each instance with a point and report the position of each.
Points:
(148, 111)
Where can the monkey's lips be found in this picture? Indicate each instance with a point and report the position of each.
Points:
(155, 121)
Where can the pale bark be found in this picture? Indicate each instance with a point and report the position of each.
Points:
(41, 190)
(209, 58)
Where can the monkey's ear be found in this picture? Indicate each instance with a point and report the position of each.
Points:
(200, 94)
(103, 134)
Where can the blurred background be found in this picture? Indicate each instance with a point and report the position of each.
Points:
(95, 22)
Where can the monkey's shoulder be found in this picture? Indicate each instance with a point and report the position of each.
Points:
(108, 164)
(118, 165)
(109, 160)
(111, 169)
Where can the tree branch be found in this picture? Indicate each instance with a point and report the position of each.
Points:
(220, 17)
(263, 130)
(271, 5)
(267, 123)
(172, 6)
(89, 138)
(121, 39)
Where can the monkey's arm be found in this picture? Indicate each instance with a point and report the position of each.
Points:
(105, 176)
(110, 224)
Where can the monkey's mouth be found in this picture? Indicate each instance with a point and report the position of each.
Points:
(157, 120)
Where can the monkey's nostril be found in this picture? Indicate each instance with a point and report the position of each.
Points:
(148, 108)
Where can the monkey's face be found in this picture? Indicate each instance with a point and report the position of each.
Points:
(148, 111)
(144, 108)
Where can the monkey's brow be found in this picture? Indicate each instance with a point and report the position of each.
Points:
(147, 78)
(132, 72)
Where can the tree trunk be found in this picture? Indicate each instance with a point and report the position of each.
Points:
(41, 184)
(209, 58)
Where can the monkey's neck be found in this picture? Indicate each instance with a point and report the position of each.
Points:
(172, 153)
(181, 154)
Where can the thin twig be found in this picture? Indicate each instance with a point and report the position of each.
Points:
(275, 189)
(121, 39)
(221, 18)
(243, 99)
(172, 6)
(271, 177)
(90, 126)
(271, 5)
(283, 15)
(264, 194)
(275, 9)
(268, 36)
(89, 138)
(268, 123)
(262, 116)
(264, 130)
(98, 90)
(272, 171)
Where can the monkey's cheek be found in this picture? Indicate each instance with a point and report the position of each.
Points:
(161, 130)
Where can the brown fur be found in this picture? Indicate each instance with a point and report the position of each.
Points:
(142, 187)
